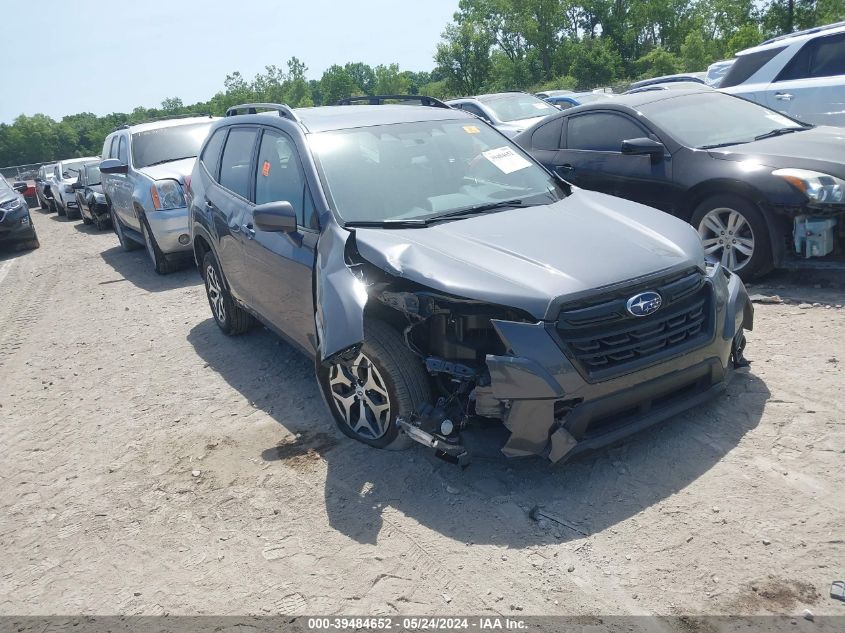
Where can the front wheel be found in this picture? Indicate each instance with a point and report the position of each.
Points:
(230, 318)
(383, 382)
(126, 243)
(162, 265)
(734, 232)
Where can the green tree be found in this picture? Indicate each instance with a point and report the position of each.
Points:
(463, 57)
(389, 81)
(658, 62)
(695, 53)
(594, 63)
(336, 83)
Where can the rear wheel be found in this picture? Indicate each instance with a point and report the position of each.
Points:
(162, 265)
(230, 318)
(53, 207)
(734, 232)
(45, 206)
(384, 382)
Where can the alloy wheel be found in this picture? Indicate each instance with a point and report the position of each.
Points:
(727, 236)
(359, 394)
(215, 294)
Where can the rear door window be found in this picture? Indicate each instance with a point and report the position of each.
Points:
(236, 162)
(747, 65)
(601, 131)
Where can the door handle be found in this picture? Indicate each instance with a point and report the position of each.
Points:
(783, 96)
(248, 231)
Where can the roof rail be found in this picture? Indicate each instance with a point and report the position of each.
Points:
(380, 99)
(817, 29)
(187, 115)
(285, 111)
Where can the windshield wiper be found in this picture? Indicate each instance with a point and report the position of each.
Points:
(728, 144)
(779, 131)
(451, 215)
(386, 224)
(168, 160)
(478, 208)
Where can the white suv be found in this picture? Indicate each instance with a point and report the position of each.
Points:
(801, 75)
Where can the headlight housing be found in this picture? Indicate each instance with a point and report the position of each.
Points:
(167, 194)
(818, 187)
(11, 205)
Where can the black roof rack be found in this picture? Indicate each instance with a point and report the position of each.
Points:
(817, 29)
(189, 115)
(284, 110)
(380, 99)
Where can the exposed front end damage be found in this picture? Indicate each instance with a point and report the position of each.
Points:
(584, 376)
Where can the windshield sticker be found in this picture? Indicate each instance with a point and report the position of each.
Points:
(471, 129)
(265, 168)
(507, 160)
(540, 106)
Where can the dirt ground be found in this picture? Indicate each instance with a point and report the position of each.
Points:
(151, 465)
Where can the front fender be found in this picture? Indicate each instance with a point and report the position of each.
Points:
(341, 296)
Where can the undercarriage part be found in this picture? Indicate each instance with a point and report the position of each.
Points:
(813, 237)
(737, 350)
(449, 451)
(529, 434)
(436, 365)
(486, 405)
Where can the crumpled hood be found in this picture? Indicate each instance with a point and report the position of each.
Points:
(820, 148)
(177, 170)
(526, 258)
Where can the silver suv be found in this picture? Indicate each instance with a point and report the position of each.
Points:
(143, 174)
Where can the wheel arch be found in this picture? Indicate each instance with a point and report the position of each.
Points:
(703, 190)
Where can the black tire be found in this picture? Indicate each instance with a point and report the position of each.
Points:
(29, 245)
(404, 378)
(160, 261)
(53, 206)
(126, 243)
(101, 222)
(229, 317)
(86, 219)
(761, 260)
(45, 206)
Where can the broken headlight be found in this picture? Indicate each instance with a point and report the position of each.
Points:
(818, 187)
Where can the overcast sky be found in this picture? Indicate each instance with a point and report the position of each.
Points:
(111, 56)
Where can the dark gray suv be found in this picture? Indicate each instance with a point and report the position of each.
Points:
(441, 277)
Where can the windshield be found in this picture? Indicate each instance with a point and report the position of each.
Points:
(420, 170)
(514, 107)
(71, 169)
(166, 144)
(739, 121)
(93, 174)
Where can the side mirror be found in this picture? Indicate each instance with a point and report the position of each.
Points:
(113, 166)
(275, 217)
(644, 146)
(20, 187)
(77, 186)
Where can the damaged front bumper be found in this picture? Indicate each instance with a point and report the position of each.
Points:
(556, 406)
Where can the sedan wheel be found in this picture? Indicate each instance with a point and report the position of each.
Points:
(727, 236)
(360, 396)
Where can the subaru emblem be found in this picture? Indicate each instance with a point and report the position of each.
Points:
(644, 304)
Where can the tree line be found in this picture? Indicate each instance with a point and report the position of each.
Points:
(489, 45)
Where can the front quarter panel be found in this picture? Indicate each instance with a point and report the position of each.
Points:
(341, 296)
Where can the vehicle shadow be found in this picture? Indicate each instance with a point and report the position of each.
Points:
(489, 502)
(11, 251)
(135, 266)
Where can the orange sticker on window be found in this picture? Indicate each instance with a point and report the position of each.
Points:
(471, 129)
(265, 170)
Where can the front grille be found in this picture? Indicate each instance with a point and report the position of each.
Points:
(604, 340)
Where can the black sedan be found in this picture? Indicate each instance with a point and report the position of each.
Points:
(90, 197)
(762, 189)
(16, 227)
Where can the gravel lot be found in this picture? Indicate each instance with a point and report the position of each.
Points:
(151, 465)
